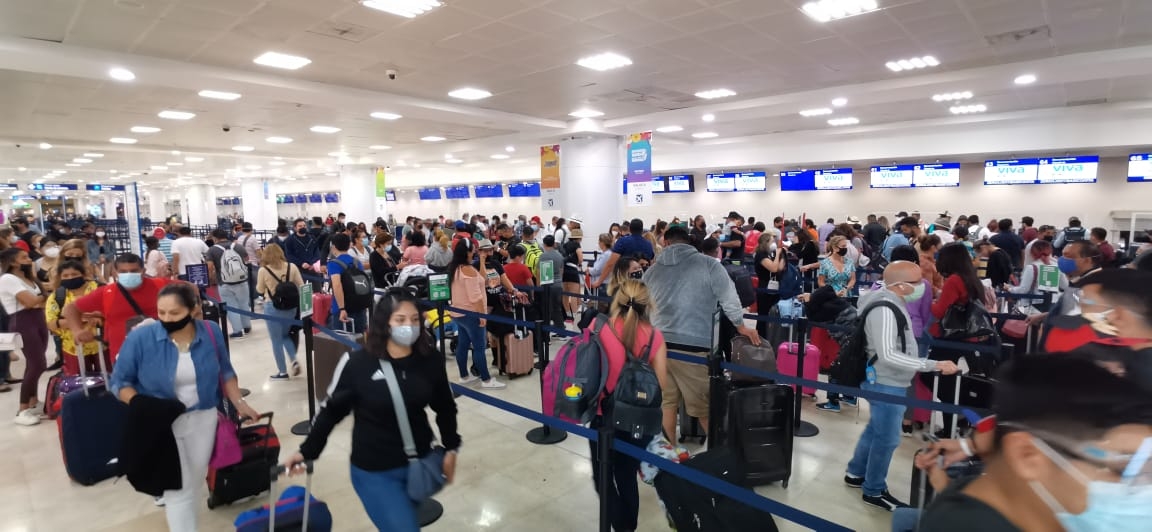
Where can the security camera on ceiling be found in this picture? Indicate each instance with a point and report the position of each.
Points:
(391, 72)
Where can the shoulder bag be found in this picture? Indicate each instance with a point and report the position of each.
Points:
(227, 449)
(968, 320)
(425, 475)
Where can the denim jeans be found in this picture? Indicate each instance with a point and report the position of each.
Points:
(384, 495)
(471, 335)
(282, 345)
(236, 297)
(253, 271)
(879, 440)
(905, 519)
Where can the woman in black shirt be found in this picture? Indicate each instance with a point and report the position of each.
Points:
(379, 464)
(769, 263)
(809, 254)
(380, 261)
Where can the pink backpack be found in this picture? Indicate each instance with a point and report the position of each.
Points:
(574, 381)
(750, 240)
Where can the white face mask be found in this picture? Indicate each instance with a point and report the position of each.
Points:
(52, 252)
(405, 335)
(100, 234)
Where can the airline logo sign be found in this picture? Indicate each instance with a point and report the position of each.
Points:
(1068, 169)
(936, 175)
(1139, 167)
(892, 176)
(1011, 172)
(834, 179)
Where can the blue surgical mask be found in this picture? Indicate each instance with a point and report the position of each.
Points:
(364, 241)
(1111, 506)
(405, 335)
(388, 248)
(1066, 265)
(131, 281)
(916, 294)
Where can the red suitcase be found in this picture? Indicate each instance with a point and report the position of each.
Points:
(787, 358)
(321, 309)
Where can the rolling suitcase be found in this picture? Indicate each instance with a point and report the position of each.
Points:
(296, 509)
(692, 508)
(690, 428)
(260, 448)
(91, 425)
(788, 357)
(326, 355)
(758, 429)
(518, 349)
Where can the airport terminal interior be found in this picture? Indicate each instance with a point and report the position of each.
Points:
(132, 114)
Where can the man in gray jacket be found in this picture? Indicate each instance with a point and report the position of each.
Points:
(895, 363)
(686, 287)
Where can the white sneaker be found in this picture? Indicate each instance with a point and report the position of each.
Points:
(493, 383)
(467, 380)
(158, 501)
(27, 417)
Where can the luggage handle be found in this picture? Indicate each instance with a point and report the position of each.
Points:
(274, 474)
(83, 371)
(267, 433)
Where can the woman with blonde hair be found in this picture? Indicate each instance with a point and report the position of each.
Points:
(835, 268)
(77, 250)
(439, 255)
(629, 331)
(275, 269)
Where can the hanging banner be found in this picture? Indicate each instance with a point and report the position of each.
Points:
(639, 169)
(132, 214)
(550, 177)
(380, 189)
(381, 202)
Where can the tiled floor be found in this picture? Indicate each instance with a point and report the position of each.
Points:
(503, 482)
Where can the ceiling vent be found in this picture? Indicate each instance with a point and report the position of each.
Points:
(1009, 38)
(651, 96)
(1081, 103)
(343, 31)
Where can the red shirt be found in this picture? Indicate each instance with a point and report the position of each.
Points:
(109, 301)
(518, 273)
(954, 293)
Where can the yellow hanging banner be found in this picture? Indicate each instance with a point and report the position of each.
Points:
(550, 177)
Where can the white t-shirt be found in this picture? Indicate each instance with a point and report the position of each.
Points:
(985, 233)
(191, 251)
(186, 381)
(10, 285)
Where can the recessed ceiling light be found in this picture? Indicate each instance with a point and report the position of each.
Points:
(194, 159)
(324, 129)
(715, 93)
(81, 160)
(279, 140)
(510, 149)
(706, 135)
(122, 140)
(453, 161)
(219, 95)
(846, 121)
(72, 164)
(121, 74)
(912, 64)
(585, 113)
(22, 169)
(276, 163)
(709, 117)
(242, 148)
(279, 60)
(819, 111)
(968, 109)
(145, 129)
(253, 166)
(176, 115)
(839, 102)
(826, 10)
(432, 138)
(175, 152)
(952, 96)
(337, 154)
(94, 155)
(159, 167)
(669, 129)
(403, 8)
(1025, 79)
(385, 116)
(379, 147)
(45, 146)
(470, 93)
(604, 61)
(499, 156)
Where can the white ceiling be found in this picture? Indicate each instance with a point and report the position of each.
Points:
(54, 56)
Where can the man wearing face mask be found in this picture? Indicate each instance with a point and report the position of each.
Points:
(1064, 327)
(894, 359)
(303, 250)
(1060, 461)
(131, 296)
(1118, 303)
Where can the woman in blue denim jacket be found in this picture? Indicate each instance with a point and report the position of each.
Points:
(183, 359)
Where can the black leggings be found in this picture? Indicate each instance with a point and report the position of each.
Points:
(623, 490)
(34, 332)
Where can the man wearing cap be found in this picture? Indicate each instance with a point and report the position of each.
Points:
(251, 245)
(733, 238)
(165, 243)
(942, 228)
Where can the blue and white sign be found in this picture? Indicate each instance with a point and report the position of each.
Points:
(430, 193)
(1139, 167)
(9, 186)
(936, 175)
(833, 179)
(679, 183)
(105, 188)
(389, 195)
(1080, 169)
(1011, 172)
(750, 182)
(899, 176)
(56, 187)
(457, 192)
(523, 190)
(721, 182)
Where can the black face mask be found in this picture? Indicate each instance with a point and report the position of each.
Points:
(178, 325)
(636, 274)
(26, 269)
(73, 284)
(301, 231)
(842, 251)
(1049, 238)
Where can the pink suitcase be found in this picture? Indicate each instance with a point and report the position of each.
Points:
(787, 357)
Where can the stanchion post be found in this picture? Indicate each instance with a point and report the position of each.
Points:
(717, 385)
(544, 435)
(440, 312)
(224, 322)
(604, 449)
(803, 429)
(304, 427)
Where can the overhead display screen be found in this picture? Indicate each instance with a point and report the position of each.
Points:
(721, 182)
(899, 176)
(1139, 167)
(936, 175)
(658, 185)
(489, 191)
(289, 199)
(459, 192)
(750, 182)
(430, 193)
(315, 198)
(1080, 169)
(679, 183)
(828, 179)
(332, 197)
(524, 190)
(389, 195)
(301, 198)
(1011, 172)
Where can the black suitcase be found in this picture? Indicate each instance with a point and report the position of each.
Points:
(261, 450)
(692, 508)
(690, 428)
(758, 426)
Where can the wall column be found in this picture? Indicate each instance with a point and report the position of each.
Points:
(591, 189)
(200, 204)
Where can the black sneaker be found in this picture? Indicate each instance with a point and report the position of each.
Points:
(854, 482)
(279, 377)
(885, 501)
(247, 330)
(906, 431)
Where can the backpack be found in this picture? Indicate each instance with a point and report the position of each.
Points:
(575, 380)
(357, 286)
(751, 240)
(791, 283)
(532, 257)
(637, 401)
(233, 270)
(286, 295)
(851, 365)
(743, 281)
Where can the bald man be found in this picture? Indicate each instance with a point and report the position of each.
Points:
(893, 361)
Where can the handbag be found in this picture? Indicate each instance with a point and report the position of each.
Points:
(1016, 328)
(425, 475)
(968, 320)
(226, 451)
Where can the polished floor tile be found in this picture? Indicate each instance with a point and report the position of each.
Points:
(503, 482)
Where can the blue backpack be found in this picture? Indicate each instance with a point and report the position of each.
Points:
(791, 284)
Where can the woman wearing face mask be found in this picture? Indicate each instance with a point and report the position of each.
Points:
(769, 262)
(183, 359)
(23, 300)
(49, 259)
(836, 270)
(381, 261)
(699, 230)
(468, 293)
(73, 286)
(359, 250)
(1039, 254)
(415, 250)
(614, 230)
(102, 253)
(396, 344)
(626, 268)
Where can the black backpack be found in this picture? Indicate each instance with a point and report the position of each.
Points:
(286, 295)
(851, 365)
(636, 401)
(743, 281)
(358, 287)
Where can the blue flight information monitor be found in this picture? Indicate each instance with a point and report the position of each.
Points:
(751, 182)
(1081, 169)
(524, 190)
(721, 182)
(1011, 171)
(1139, 167)
(430, 193)
(489, 191)
(827, 179)
(898, 176)
(460, 192)
(936, 175)
(389, 195)
(679, 183)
